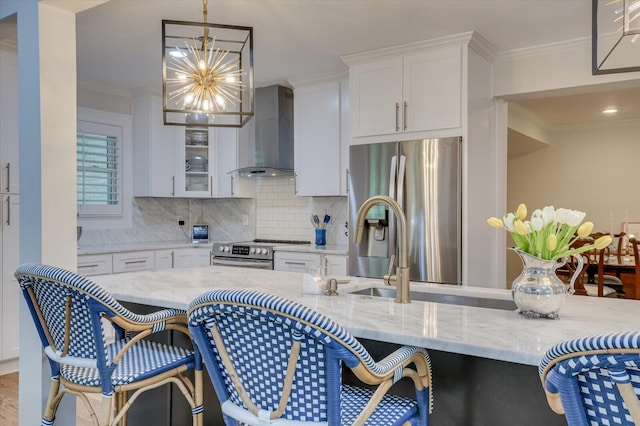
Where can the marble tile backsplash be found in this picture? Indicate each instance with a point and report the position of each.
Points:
(275, 213)
(155, 220)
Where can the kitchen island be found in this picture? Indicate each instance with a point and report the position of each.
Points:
(484, 360)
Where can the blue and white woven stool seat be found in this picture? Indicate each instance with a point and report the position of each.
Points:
(393, 410)
(143, 360)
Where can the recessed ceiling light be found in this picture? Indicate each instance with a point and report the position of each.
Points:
(610, 111)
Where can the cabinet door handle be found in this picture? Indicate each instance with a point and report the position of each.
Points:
(8, 210)
(404, 116)
(232, 186)
(8, 177)
(347, 183)
(295, 184)
(173, 261)
(397, 111)
(173, 186)
(132, 262)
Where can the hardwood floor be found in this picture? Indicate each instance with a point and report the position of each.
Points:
(9, 403)
(9, 400)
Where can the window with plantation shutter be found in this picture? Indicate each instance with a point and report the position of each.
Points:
(99, 181)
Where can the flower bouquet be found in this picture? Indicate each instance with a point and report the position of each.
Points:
(549, 233)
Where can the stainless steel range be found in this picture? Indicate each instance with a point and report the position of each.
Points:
(257, 254)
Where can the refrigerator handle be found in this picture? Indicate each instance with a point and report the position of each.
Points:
(400, 190)
(392, 178)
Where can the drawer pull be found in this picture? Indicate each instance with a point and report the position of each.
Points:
(88, 266)
(295, 263)
(131, 262)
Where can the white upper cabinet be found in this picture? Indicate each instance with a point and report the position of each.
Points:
(408, 92)
(183, 161)
(154, 149)
(376, 97)
(9, 178)
(321, 148)
(432, 90)
(229, 184)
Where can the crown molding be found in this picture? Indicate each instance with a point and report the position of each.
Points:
(562, 47)
(530, 116)
(613, 124)
(397, 51)
(319, 78)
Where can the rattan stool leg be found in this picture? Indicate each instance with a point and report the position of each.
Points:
(52, 403)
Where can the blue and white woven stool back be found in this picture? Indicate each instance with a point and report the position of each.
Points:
(55, 301)
(258, 342)
(597, 379)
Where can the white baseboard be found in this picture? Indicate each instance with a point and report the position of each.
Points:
(9, 366)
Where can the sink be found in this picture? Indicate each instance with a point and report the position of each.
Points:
(481, 302)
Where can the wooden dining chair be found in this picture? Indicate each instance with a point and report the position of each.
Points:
(582, 286)
(636, 257)
(601, 278)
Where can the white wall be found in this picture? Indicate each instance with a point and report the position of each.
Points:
(588, 168)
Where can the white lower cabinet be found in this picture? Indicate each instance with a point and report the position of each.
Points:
(95, 264)
(201, 257)
(295, 261)
(336, 264)
(292, 261)
(133, 261)
(163, 259)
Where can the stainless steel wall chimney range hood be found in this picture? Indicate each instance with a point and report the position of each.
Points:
(266, 141)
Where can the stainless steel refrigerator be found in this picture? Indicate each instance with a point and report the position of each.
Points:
(424, 176)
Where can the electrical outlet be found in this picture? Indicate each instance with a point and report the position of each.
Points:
(180, 221)
(245, 219)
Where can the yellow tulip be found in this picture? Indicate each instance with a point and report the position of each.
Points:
(552, 242)
(603, 242)
(495, 222)
(520, 227)
(521, 212)
(585, 229)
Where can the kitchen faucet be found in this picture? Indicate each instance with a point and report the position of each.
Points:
(401, 277)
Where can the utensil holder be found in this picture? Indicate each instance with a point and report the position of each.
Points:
(321, 237)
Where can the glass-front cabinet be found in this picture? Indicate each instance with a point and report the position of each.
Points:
(197, 162)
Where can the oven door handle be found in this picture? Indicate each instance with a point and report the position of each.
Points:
(245, 263)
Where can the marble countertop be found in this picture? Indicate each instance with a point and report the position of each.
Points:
(161, 245)
(311, 248)
(124, 247)
(489, 333)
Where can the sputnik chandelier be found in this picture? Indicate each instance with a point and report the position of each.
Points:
(615, 41)
(207, 73)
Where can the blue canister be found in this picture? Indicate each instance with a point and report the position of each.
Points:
(321, 237)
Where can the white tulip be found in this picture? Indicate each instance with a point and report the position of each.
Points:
(536, 223)
(570, 217)
(508, 221)
(548, 215)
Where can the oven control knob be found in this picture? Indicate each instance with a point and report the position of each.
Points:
(221, 248)
(265, 251)
(253, 250)
(226, 248)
